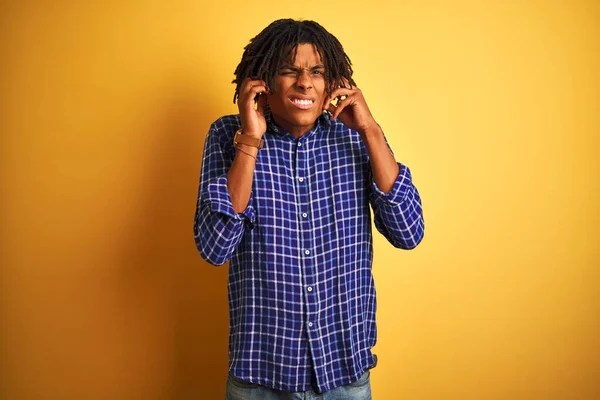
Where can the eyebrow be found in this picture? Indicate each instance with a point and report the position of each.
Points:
(293, 68)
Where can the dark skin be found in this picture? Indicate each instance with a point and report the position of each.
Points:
(299, 97)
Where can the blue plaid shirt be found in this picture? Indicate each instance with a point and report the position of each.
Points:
(301, 292)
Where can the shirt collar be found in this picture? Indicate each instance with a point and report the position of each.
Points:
(322, 121)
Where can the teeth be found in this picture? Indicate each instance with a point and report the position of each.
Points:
(302, 102)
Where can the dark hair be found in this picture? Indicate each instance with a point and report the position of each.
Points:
(265, 53)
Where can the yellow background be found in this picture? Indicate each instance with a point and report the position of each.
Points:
(104, 107)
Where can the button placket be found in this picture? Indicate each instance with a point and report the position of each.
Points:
(306, 237)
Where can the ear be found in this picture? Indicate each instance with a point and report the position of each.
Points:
(325, 100)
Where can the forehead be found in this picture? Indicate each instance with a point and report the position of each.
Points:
(304, 54)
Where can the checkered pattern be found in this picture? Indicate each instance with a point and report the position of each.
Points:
(301, 292)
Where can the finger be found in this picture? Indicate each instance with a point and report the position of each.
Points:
(261, 103)
(338, 93)
(331, 110)
(247, 104)
(252, 80)
(350, 90)
(338, 110)
(254, 89)
(342, 104)
(345, 83)
(250, 83)
(251, 93)
(331, 105)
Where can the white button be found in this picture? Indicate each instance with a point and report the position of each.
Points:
(310, 324)
(301, 179)
(307, 252)
(309, 289)
(304, 215)
(299, 144)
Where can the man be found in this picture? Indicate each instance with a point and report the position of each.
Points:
(284, 194)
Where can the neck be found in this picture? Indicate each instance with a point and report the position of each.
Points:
(294, 130)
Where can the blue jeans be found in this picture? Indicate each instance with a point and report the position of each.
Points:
(238, 389)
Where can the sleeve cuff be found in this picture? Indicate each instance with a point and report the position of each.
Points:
(219, 201)
(399, 191)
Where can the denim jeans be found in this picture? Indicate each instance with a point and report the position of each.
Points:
(238, 389)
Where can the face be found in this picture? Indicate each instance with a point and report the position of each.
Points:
(299, 92)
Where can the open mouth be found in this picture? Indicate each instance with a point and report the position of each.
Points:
(303, 104)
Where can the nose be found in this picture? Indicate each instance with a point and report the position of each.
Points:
(304, 80)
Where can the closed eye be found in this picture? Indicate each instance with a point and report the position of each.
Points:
(287, 72)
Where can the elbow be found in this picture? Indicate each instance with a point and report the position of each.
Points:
(414, 237)
(407, 244)
(216, 261)
(413, 243)
(213, 248)
(208, 248)
(209, 254)
(418, 234)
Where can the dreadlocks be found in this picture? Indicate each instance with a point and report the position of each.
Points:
(277, 42)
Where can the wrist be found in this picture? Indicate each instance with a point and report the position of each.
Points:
(241, 137)
(371, 132)
(251, 133)
(247, 150)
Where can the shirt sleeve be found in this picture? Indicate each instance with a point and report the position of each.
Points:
(398, 213)
(218, 229)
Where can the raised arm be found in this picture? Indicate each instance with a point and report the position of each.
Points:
(224, 208)
(395, 200)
